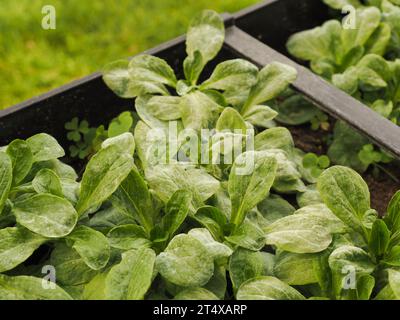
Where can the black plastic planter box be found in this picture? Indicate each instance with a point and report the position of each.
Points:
(253, 34)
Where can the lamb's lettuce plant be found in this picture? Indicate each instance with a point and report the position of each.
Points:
(135, 227)
(362, 61)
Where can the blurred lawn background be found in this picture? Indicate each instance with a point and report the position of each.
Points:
(89, 34)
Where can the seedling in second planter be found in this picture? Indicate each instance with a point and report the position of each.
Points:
(315, 164)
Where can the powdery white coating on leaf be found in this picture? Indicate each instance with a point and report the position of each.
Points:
(216, 249)
(196, 294)
(125, 142)
(128, 236)
(28, 288)
(132, 277)
(248, 189)
(44, 147)
(17, 245)
(47, 215)
(91, 245)
(145, 67)
(237, 74)
(345, 193)
(22, 160)
(103, 174)
(299, 233)
(345, 256)
(206, 34)
(295, 268)
(267, 288)
(5, 178)
(186, 262)
(271, 81)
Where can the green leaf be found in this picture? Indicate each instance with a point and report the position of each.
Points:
(145, 68)
(94, 290)
(70, 267)
(317, 43)
(176, 211)
(91, 245)
(309, 197)
(21, 158)
(394, 282)
(274, 138)
(46, 181)
(367, 21)
(365, 286)
(299, 233)
(295, 110)
(250, 180)
(321, 212)
(47, 215)
(44, 147)
(28, 288)
(379, 238)
(231, 120)
(267, 288)
(260, 115)
(104, 173)
(245, 264)
(195, 294)
(393, 257)
(213, 219)
(217, 250)
(127, 237)
(379, 40)
(339, 4)
(205, 34)
(275, 207)
(125, 143)
(186, 262)
(346, 194)
(133, 198)
(345, 256)
(132, 277)
(295, 268)
(237, 74)
(346, 145)
(165, 180)
(199, 111)
(116, 77)
(192, 66)
(288, 178)
(121, 124)
(393, 213)
(165, 108)
(6, 177)
(17, 245)
(271, 81)
(247, 235)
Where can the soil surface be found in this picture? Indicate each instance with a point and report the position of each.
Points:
(382, 187)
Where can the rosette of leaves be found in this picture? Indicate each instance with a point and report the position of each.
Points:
(137, 228)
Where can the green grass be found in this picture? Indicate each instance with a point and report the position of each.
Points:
(89, 34)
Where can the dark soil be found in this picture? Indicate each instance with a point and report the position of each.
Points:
(382, 187)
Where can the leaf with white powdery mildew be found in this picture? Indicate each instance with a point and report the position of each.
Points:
(16, 245)
(299, 233)
(267, 288)
(132, 277)
(186, 262)
(47, 215)
(91, 245)
(103, 174)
